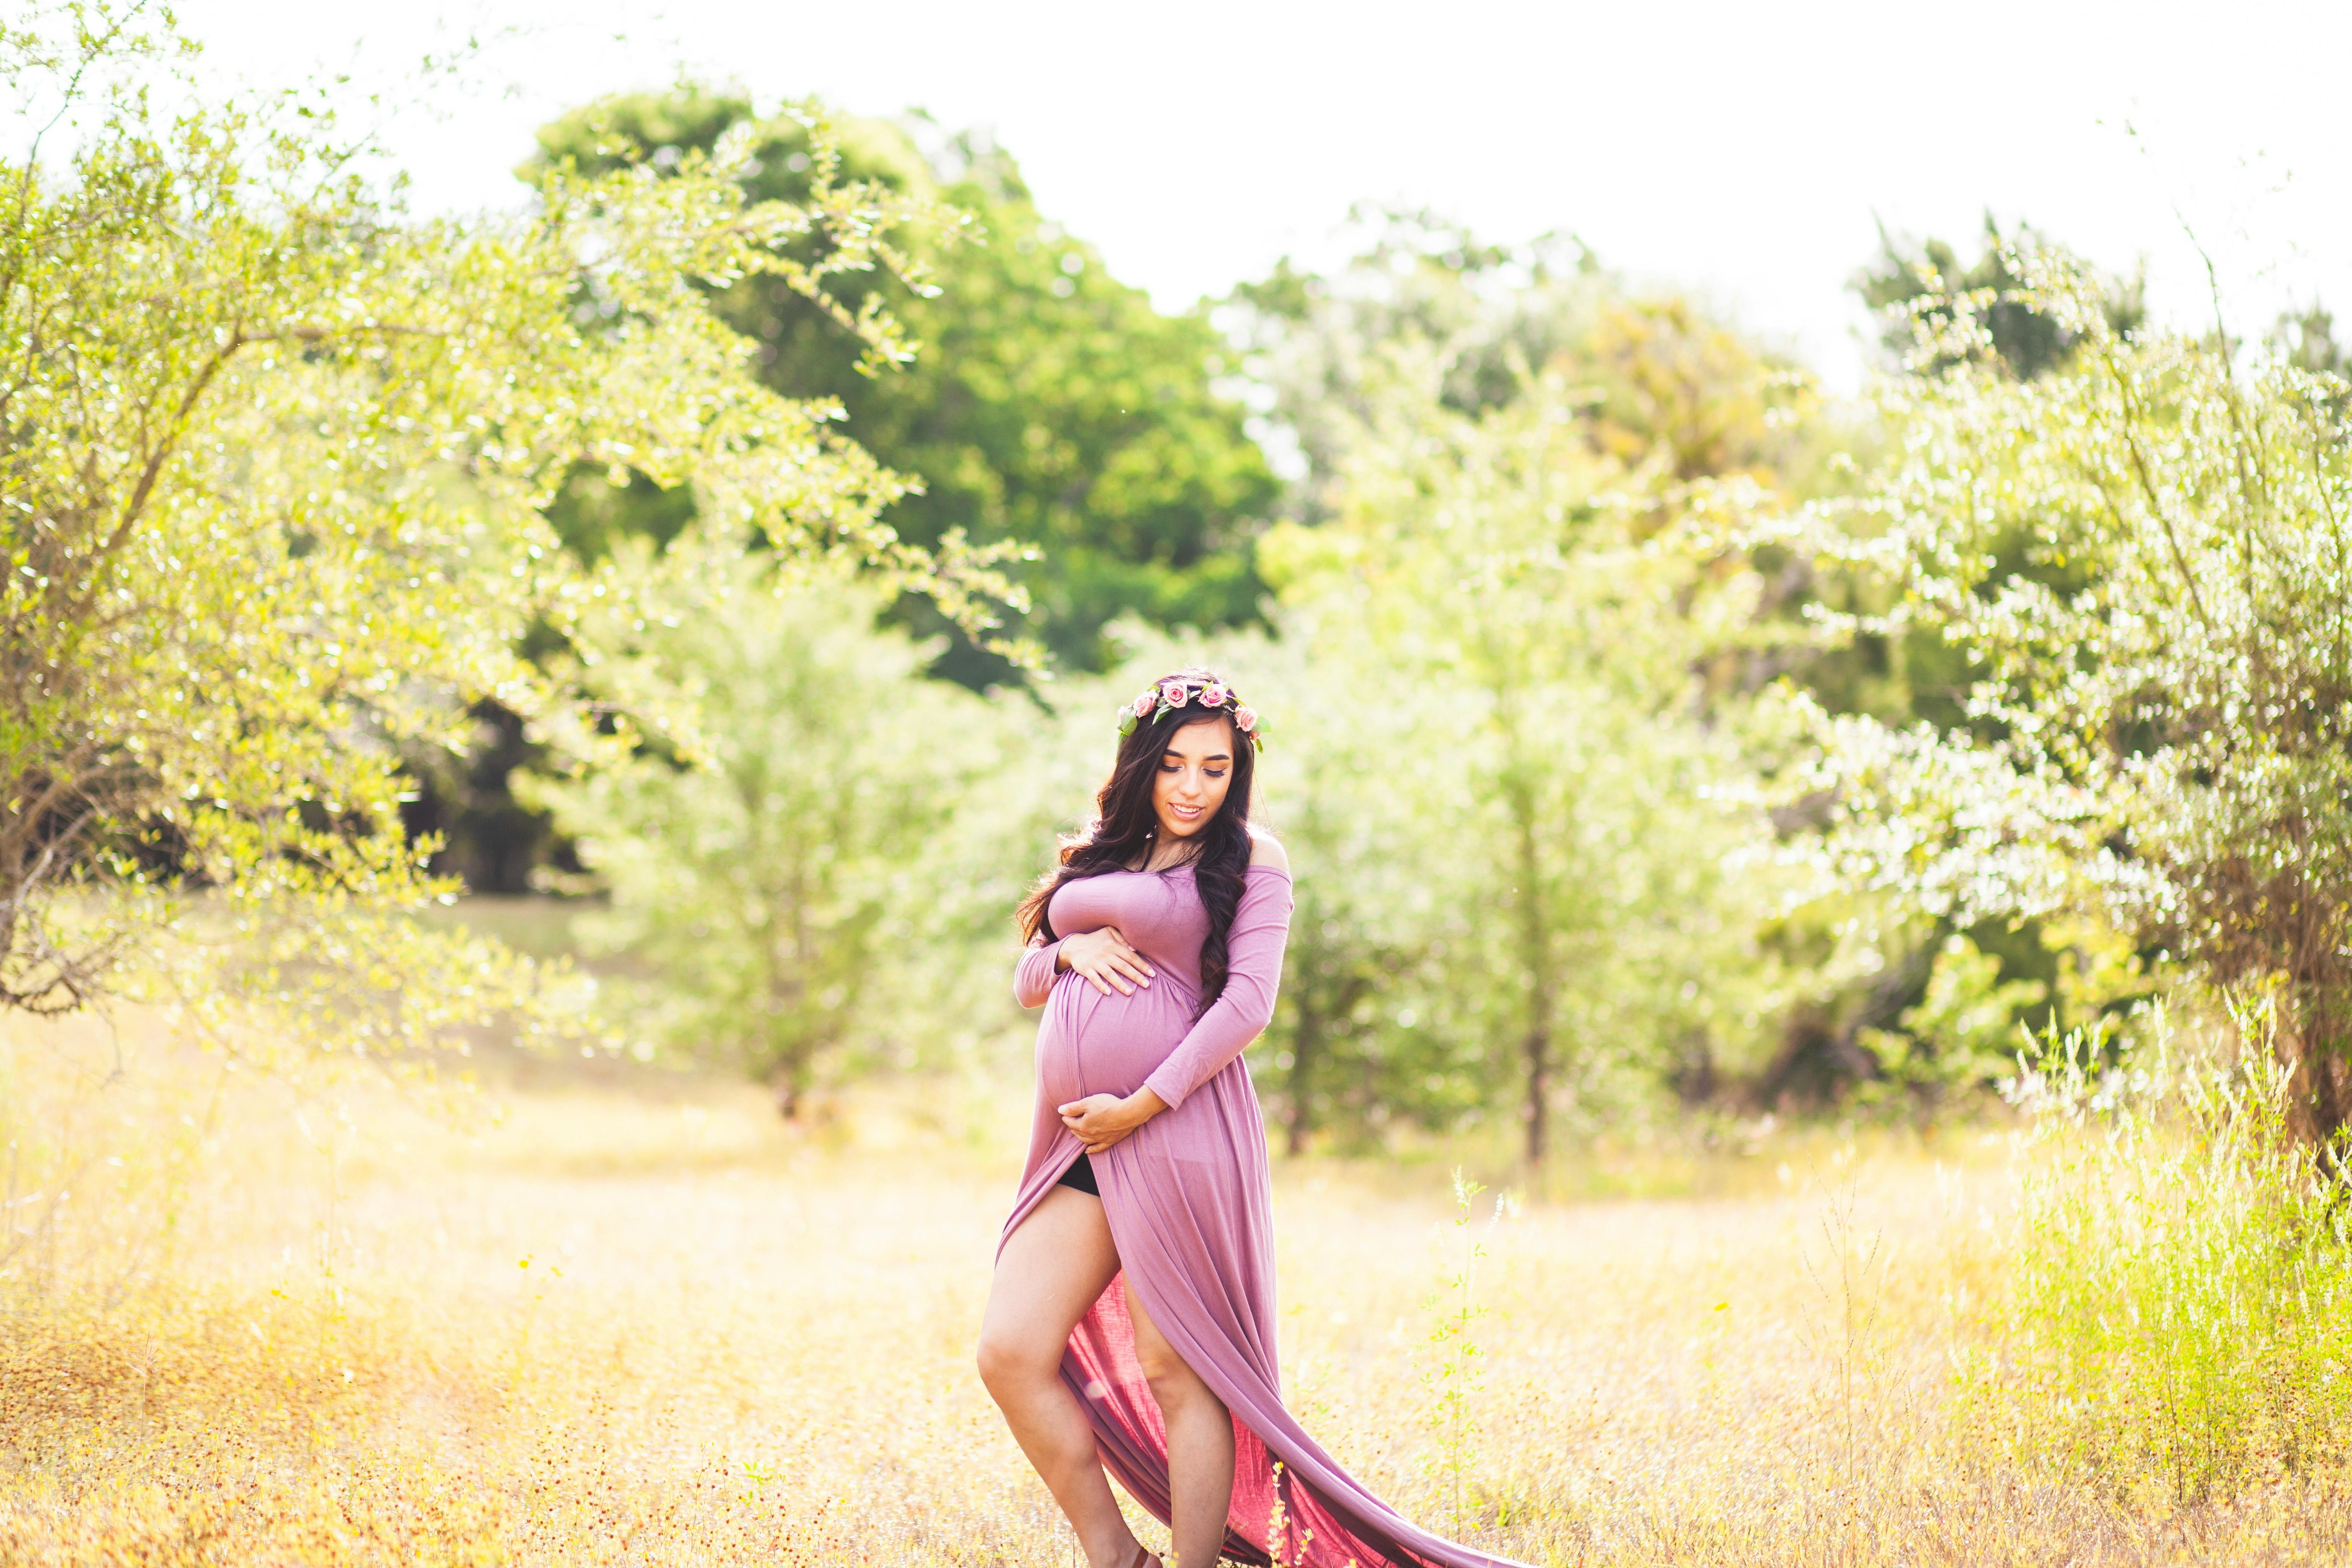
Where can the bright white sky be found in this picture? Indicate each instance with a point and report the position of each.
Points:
(1743, 151)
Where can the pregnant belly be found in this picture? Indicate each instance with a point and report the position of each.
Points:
(1092, 1044)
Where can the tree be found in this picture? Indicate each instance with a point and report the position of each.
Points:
(1319, 342)
(2143, 551)
(273, 458)
(1872, 960)
(1929, 281)
(1050, 404)
(2306, 340)
(1494, 319)
(767, 843)
(1370, 917)
(1553, 611)
(1497, 441)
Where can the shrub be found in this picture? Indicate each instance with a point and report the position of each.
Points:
(2180, 1310)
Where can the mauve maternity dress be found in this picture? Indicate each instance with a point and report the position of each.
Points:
(1190, 1209)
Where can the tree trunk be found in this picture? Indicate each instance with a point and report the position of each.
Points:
(1305, 1046)
(1538, 1055)
(2309, 1039)
(786, 951)
(1535, 939)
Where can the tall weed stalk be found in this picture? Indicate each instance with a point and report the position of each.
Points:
(2179, 1310)
(1847, 1270)
(1453, 1372)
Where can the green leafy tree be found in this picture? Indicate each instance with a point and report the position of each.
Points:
(1655, 370)
(1050, 404)
(2308, 340)
(273, 461)
(1555, 611)
(1872, 960)
(1494, 438)
(1962, 1035)
(768, 840)
(2142, 549)
(1369, 933)
(2013, 330)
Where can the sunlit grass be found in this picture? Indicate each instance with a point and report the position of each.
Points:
(611, 1326)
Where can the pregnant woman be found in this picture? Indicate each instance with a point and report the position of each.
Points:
(1131, 1323)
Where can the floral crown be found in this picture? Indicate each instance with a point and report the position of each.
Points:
(1192, 691)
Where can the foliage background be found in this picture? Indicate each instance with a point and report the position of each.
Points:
(1655, 757)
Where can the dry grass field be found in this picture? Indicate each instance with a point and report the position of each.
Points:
(582, 1321)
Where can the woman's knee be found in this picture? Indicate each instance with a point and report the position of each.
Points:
(1009, 1360)
(1175, 1386)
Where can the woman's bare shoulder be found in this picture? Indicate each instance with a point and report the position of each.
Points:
(1265, 849)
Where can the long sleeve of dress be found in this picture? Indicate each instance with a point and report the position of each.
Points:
(1033, 977)
(1242, 1011)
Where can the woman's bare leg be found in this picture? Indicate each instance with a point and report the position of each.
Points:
(1050, 1272)
(1200, 1444)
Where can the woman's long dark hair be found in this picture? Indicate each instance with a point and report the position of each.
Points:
(1124, 824)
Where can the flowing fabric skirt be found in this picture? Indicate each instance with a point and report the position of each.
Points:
(1189, 1201)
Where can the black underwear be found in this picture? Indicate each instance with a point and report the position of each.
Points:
(1081, 1175)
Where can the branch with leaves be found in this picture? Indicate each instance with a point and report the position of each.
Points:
(274, 457)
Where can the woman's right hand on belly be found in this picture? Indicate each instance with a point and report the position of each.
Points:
(1105, 961)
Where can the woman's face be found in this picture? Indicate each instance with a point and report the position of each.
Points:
(1194, 772)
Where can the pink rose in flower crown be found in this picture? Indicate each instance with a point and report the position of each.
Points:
(1145, 703)
(1245, 717)
(1172, 693)
(1214, 695)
